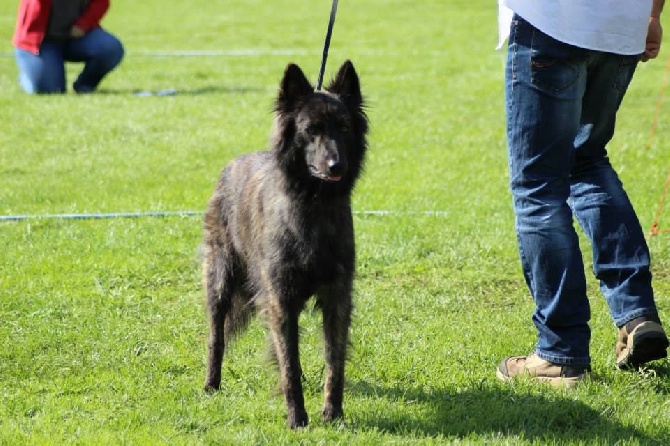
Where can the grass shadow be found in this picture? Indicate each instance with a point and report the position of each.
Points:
(493, 410)
(200, 91)
(658, 369)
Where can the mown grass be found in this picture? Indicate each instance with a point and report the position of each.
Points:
(102, 326)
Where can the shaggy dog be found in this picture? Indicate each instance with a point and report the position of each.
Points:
(278, 230)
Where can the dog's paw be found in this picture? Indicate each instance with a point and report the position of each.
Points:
(211, 388)
(331, 413)
(297, 419)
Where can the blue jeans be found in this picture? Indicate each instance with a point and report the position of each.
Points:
(561, 104)
(100, 51)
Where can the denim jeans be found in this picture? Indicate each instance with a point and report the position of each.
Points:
(100, 51)
(561, 104)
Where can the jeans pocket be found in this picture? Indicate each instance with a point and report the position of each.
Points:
(553, 76)
(555, 66)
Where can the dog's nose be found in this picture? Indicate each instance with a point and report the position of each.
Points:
(335, 167)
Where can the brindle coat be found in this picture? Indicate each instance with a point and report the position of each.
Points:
(279, 230)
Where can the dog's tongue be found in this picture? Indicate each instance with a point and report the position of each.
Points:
(334, 177)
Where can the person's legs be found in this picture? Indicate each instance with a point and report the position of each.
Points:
(43, 72)
(545, 83)
(621, 259)
(561, 107)
(600, 204)
(100, 51)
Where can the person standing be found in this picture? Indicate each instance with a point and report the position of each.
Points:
(569, 64)
(49, 33)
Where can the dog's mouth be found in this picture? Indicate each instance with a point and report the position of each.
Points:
(331, 178)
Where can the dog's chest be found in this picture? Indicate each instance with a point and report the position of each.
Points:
(321, 249)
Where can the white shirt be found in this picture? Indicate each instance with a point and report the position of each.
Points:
(612, 26)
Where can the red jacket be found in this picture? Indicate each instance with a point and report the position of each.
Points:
(33, 18)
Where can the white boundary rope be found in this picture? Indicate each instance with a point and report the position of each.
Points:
(255, 52)
(113, 215)
(98, 216)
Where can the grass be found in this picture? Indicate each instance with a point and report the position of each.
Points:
(102, 327)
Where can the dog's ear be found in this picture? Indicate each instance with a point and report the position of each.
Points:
(293, 89)
(347, 86)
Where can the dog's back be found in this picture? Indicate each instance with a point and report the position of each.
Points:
(279, 229)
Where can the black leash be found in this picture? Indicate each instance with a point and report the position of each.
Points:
(331, 22)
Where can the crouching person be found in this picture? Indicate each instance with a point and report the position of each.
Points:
(49, 33)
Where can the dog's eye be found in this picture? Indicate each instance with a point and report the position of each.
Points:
(313, 130)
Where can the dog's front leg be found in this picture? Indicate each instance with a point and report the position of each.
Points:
(283, 323)
(336, 306)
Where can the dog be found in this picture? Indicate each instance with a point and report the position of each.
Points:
(278, 230)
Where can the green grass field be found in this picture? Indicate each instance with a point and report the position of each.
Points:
(102, 322)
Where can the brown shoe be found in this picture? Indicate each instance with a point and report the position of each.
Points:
(558, 375)
(640, 341)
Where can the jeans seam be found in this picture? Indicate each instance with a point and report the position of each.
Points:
(563, 360)
(634, 315)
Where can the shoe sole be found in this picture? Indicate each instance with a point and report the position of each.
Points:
(642, 349)
(560, 381)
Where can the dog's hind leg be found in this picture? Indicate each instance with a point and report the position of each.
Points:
(336, 305)
(219, 288)
(283, 322)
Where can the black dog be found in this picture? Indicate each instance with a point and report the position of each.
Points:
(279, 229)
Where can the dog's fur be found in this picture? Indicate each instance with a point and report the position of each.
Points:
(279, 229)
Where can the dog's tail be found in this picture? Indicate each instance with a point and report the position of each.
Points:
(241, 311)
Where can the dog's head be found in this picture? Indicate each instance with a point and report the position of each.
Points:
(320, 135)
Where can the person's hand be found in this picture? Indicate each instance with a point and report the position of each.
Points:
(77, 32)
(654, 36)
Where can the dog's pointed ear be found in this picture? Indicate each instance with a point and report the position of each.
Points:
(293, 88)
(347, 86)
